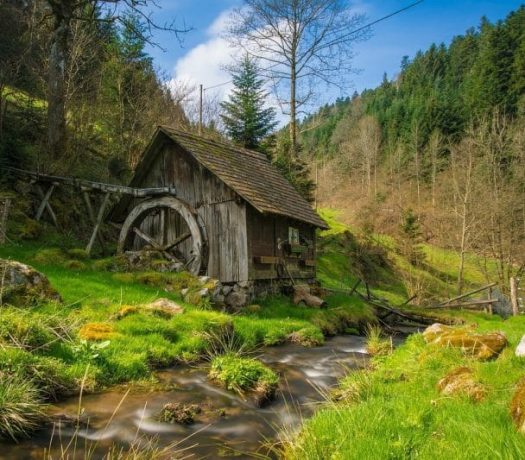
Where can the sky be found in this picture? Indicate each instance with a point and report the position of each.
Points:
(201, 56)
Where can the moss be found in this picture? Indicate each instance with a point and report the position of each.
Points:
(50, 256)
(460, 381)
(29, 229)
(96, 331)
(517, 406)
(111, 264)
(307, 337)
(126, 310)
(75, 265)
(78, 254)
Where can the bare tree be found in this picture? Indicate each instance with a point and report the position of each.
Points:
(369, 141)
(63, 15)
(299, 43)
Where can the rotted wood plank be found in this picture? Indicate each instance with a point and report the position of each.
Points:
(92, 217)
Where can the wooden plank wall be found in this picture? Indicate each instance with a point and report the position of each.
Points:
(264, 231)
(221, 211)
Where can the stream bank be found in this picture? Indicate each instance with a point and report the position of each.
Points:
(227, 426)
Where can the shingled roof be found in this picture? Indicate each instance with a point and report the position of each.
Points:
(250, 174)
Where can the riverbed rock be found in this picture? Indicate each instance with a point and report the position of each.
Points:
(520, 349)
(165, 307)
(22, 285)
(179, 413)
(517, 406)
(479, 345)
(460, 381)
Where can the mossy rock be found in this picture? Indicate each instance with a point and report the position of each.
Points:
(78, 254)
(179, 413)
(481, 346)
(75, 265)
(460, 381)
(22, 285)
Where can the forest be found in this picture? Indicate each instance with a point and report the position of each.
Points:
(442, 141)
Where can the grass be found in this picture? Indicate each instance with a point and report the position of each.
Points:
(395, 410)
(242, 374)
(101, 334)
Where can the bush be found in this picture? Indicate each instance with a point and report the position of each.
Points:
(21, 412)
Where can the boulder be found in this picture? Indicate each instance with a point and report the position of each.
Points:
(236, 299)
(165, 307)
(22, 285)
(479, 345)
(226, 290)
(460, 381)
(520, 349)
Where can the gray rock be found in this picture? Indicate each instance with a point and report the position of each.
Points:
(23, 285)
(165, 306)
(244, 284)
(204, 279)
(184, 291)
(520, 349)
(205, 292)
(226, 290)
(236, 299)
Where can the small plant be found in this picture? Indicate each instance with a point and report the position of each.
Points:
(376, 345)
(89, 351)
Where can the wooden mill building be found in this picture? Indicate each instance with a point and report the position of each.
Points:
(231, 215)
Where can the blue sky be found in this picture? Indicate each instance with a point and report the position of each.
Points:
(203, 52)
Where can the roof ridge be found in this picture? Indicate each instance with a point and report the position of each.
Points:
(217, 143)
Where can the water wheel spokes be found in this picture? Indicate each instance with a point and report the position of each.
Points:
(164, 243)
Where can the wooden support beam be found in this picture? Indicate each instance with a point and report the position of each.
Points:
(266, 260)
(148, 239)
(92, 217)
(100, 218)
(177, 241)
(45, 203)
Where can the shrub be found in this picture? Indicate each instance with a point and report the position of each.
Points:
(20, 409)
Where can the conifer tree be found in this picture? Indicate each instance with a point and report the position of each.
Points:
(246, 119)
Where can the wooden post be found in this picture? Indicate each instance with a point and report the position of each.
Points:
(3, 220)
(100, 218)
(514, 296)
(92, 217)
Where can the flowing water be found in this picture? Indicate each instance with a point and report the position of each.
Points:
(227, 426)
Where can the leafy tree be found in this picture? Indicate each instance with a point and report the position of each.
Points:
(246, 119)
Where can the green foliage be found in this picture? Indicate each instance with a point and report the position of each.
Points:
(246, 119)
(241, 374)
(89, 351)
(20, 408)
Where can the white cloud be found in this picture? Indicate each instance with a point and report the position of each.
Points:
(204, 64)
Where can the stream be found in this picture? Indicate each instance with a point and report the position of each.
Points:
(227, 426)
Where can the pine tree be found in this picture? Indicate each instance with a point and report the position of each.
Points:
(246, 119)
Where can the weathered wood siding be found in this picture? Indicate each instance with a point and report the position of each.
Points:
(222, 212)
(264, 234)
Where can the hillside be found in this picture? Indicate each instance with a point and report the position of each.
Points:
(441, 142)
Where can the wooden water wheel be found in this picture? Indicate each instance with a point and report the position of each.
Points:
(167, 225)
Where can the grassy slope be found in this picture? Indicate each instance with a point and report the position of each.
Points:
(394, 409)
(143, 342)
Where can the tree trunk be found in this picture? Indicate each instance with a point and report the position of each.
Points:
(58, 57)
(293, 112)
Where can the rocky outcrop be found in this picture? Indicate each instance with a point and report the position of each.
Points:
(481, 346)
(21, 285)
